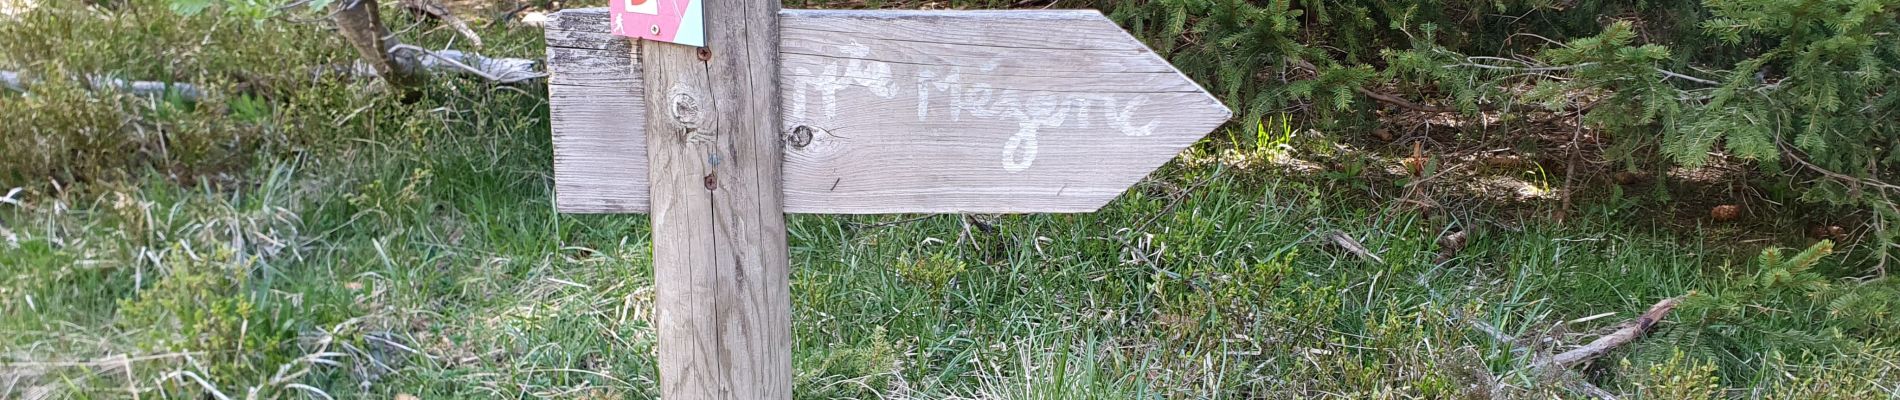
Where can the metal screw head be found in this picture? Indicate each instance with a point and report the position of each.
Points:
(655, 29)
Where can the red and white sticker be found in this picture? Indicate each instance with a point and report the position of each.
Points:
(648, 7)
(672, 21)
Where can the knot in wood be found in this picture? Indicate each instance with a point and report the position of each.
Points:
(683, 105)
(799, 136)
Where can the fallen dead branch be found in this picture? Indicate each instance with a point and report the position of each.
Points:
(13, 81)
(103, 362)
(1488, 330)
(1559, 366)
(402, 65)
(1353, 246)
(1401, 102)
(856, 225)
(437, 11)
(1627, 332)
(492, 69)
(1568, 378)
(360, 22)
(495, 70)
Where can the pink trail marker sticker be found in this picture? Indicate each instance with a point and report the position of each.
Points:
(671, 21)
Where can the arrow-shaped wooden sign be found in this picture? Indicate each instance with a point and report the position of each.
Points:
(850, 112)
(905, 111)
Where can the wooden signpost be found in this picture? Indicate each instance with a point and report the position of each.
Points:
(842, 112)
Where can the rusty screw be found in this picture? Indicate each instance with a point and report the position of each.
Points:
(705, 54)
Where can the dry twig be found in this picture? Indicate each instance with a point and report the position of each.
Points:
(1558, 366)
(495, 70)
(12, 80)
(1624, 334)
(856, 225)
(1353, 246)
(434, 9)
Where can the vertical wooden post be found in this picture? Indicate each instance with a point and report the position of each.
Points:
(719, 257)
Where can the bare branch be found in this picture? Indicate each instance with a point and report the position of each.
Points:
(1401, 102)
(108, 361)
(416, 60)
(434, 9)
(1672, 74)
(1353, 246)
(1796, 156)
(1625, 334)
(496, 70)
(1528, 67)
(13, 81)
(1489, 330)
(361, 24)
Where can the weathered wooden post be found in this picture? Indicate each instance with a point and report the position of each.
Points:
(852, 112)
(719, 261)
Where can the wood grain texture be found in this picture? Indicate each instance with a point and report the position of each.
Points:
(943, 111)
(977, 111)
(685, 258)
(721, 269)
(595, 101)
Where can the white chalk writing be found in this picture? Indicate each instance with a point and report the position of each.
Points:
(960, 91)
(874, 76)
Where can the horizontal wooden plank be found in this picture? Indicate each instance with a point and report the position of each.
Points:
(907, 111)
(584, 28)
(600, 156)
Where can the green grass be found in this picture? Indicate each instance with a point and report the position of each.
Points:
(365, 247)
